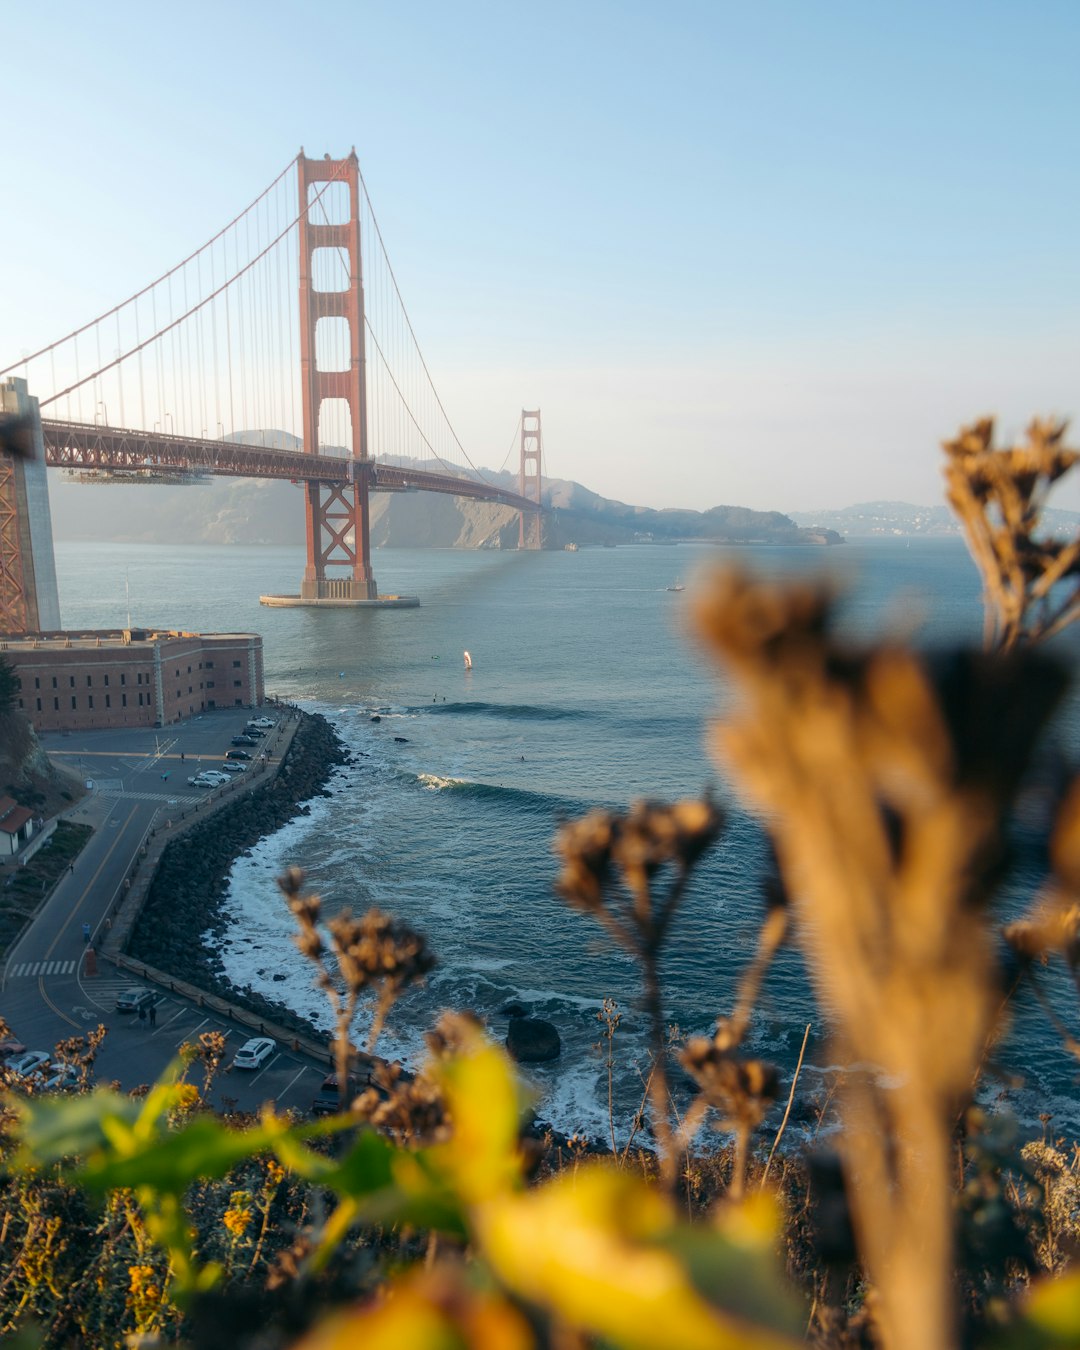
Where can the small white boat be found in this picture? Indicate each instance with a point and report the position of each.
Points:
(468, 661)
(677, 585)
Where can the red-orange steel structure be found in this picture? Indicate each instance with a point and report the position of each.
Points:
(14, 617)
(530, 484)
(336, 512)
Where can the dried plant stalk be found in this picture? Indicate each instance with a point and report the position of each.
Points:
(374, 954)
(1031, 586)
(614, 868)
(885, 789)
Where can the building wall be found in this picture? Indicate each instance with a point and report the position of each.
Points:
(80, 681)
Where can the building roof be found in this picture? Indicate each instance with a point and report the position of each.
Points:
(13, 821)
(98, 638)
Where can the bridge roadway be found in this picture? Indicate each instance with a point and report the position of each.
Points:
(76, 445)
(49, 987)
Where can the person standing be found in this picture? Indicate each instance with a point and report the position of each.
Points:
(142, 1016)
(153, 1014)
(86, 933)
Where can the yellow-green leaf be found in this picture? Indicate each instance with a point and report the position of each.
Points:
(481, 1158)
(597, 1248)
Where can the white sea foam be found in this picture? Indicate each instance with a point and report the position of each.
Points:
(435, 782)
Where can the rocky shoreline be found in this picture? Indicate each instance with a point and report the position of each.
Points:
(186, 899)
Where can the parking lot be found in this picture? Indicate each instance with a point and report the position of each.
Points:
(286, 1078)
(50, 990)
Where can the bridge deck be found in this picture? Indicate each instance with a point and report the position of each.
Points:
(76, 445)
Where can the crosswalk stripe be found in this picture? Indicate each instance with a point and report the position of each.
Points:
(152, 796)
(29, 969)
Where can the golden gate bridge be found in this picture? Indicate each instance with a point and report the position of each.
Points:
(214, 368)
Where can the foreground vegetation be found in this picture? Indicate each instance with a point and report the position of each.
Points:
(424, 1214)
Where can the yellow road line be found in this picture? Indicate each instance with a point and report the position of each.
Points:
(86, 889)
(63, 929)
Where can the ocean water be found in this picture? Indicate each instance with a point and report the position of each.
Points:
(587, 690)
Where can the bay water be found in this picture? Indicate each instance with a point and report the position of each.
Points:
(587, 690)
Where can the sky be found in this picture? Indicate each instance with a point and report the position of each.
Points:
(761, 254)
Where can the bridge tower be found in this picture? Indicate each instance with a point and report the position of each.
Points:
(338, 518)
(28, 597)
(529, 479)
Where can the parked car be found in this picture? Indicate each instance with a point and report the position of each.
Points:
(256, 733)
(237, 754)
(62, 1078)
(244, 740)
(9, 1046)
(265, 722)
(327, 1101)
(30, 1061)
(231, 766)
(131, 1000)
(201, 780)
(254, 1053)
(217, 774)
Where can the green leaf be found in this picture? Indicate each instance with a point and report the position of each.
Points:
(201, 1148)
(53, 1128)
(732, 1263)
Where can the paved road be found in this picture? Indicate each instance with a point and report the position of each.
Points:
(51, 987)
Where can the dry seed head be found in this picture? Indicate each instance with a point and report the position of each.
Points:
(585, 847)
(376, 950)
(412, 1110)
(455, 1034)
(741, 1090)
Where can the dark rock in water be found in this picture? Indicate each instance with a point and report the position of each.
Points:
(402, 740)
(531, 1040)
(514, 1010)
(375, 717)
(277, 977)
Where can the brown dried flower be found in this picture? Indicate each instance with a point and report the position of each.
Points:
(998, 496)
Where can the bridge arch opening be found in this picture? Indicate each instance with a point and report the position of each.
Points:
(333, 344)
(329, 203)
(335, 427)
(329, 271)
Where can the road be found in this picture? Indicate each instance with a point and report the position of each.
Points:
(51, 987)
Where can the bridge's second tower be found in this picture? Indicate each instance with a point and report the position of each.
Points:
(530, 483)
(338, 536)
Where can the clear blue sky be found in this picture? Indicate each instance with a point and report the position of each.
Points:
(765, 253)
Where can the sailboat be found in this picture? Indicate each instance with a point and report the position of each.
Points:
(468, 661)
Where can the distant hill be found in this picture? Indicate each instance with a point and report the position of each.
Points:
(263, 511)
(903, 519)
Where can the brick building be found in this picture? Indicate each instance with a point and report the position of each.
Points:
(132, 677)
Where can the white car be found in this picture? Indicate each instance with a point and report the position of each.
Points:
(33, 1061)
(62, 1078)
(219, 774)
(202, 780)
(231, 766)
(254, 1053)
(264, 722)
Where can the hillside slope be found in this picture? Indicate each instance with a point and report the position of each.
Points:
(258, 511)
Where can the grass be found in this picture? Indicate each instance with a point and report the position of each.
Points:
(25, 890)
